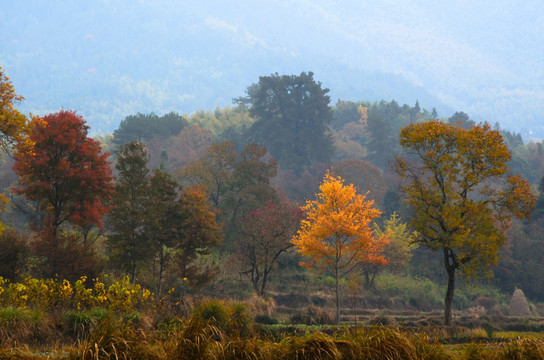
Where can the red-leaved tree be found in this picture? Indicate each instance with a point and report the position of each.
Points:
(64, 172)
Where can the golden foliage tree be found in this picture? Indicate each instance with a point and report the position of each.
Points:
(337, 234)
(457, 180)
(13, 124)
(398, 251)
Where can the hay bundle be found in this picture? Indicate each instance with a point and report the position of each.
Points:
(519, 305)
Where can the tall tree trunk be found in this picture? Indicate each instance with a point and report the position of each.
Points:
(451, 266)
(263, 283)
(337, 293)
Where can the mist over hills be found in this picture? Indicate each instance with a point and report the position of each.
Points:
(111, 58)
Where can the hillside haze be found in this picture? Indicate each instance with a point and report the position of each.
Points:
(111, 58)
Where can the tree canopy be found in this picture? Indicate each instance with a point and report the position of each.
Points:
(292, 116)
(458, 183)
(13, 124)
(267, 234)
(64, 171)
(144, 127)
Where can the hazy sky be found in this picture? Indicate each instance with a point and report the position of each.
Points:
(111, 58)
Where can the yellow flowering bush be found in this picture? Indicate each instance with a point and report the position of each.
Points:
(48, 294)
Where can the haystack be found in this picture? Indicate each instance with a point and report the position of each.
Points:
(519, 305)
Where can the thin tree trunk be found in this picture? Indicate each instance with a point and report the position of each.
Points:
(337, 291)
(450, 268)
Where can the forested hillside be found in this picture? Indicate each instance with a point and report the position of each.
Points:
(109, 59)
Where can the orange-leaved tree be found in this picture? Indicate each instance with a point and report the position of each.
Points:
(199, 232)
(459, 184)
(337, 234)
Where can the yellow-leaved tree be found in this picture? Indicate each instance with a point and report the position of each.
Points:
(13, 124)
(338, 235)
(459, 185)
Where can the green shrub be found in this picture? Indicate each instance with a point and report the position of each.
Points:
(419, 293)
(215, 312)
(79, 323)
(233, 319)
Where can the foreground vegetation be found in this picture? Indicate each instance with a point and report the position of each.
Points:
(119, 320)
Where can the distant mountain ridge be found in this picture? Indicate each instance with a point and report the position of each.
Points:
(111, 58)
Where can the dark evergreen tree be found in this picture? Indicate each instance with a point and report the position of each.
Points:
(129, 246)
(460, 118)
(382, 142)
(292, 119)
(144, 127)
(162, 221)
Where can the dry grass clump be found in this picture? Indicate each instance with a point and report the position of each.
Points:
(314, 315)
(428, 349)
(23, 326)
(315, 346)
(115, 339)
(261, 306)
(194, 340)
(386, 343)
(233, 318)
(243, 349)
(522, 349)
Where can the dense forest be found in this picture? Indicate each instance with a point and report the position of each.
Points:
(208, 203)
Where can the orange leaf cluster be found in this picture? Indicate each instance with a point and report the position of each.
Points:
(337, 233)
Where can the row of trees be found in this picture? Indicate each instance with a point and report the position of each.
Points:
(159, 224)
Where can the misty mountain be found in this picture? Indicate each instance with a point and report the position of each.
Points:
(111, 58)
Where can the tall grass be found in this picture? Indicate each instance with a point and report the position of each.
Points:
(114, 338)
(19, 325)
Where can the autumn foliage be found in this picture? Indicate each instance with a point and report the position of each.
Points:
(64, 171)
(13, 124)
(459, 185)
(337, 234)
